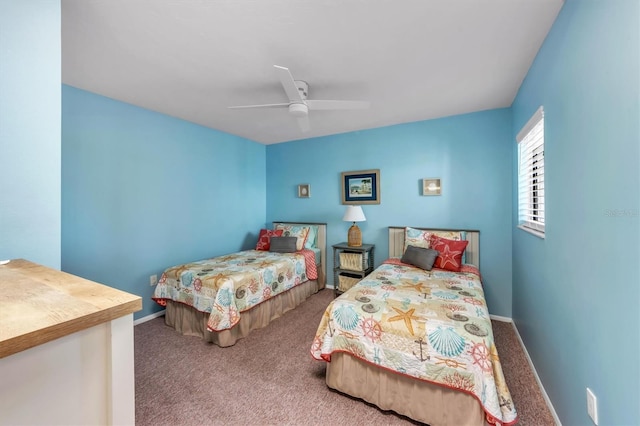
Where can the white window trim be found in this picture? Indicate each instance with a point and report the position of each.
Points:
(532, 231)
(533, 227)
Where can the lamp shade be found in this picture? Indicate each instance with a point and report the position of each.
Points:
(354, 214)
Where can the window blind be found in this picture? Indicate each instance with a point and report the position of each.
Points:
(531, 173)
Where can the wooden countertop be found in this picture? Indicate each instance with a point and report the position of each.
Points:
(39, 304)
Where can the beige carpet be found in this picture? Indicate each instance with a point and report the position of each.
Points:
(269, 378)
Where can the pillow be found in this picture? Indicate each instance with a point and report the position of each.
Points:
(416, 238)
(283, 244)
(298, 231)
(451, 251)
(265, 237)
(421, 238)
(312, 238)
(421, 257)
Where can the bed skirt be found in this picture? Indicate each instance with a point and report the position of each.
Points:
(186, 320)
(418, 400)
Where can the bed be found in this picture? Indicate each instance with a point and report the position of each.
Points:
(417, 341)
(224, 298)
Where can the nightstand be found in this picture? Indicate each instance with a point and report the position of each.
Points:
(351, 264)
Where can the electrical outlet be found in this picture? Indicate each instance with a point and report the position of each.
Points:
(592, 406)
(153, 279)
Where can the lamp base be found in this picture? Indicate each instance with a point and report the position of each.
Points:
(354, 238)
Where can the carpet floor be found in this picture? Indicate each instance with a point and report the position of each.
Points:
(270, 378)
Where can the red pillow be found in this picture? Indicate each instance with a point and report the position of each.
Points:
(264, 239)
(450, 253)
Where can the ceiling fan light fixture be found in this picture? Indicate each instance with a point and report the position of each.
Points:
(298, 110)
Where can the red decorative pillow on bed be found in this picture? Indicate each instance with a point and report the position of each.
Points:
(264, 239)
(450, 257)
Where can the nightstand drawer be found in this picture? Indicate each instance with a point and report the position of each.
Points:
(346, 281)
(354, 261)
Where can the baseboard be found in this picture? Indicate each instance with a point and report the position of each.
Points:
(500, 318)
(149, 317)
(535, 373)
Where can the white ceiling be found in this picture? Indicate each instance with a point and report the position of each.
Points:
(412, 59)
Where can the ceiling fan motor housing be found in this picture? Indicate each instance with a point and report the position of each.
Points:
(298, 110)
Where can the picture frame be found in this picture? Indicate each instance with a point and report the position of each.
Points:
(431, 186)
(304, 190)
(360, 187)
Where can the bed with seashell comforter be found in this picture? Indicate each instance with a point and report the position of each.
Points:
(418, 342)
(222, 299)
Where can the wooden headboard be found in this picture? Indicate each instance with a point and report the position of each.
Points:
(472, 253)
(322, 245)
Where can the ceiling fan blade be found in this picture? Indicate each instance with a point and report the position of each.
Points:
(289, 84)
(259, 106)
(325, 105)
(303, 122)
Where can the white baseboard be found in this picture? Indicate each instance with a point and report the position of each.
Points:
(535, 373)
(149, 317)
(501, 319)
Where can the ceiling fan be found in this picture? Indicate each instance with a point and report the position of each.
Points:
(299, 105)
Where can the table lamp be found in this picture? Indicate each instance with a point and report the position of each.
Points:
(354, 214)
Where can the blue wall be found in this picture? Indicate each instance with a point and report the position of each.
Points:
(576, 292)
(30, 131)
(470, 153)
(143, 191)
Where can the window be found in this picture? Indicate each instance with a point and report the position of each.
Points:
(531, 174)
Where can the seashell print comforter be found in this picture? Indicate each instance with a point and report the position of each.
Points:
(431, 325)
(225, 286)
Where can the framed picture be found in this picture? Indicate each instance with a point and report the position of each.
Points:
(304, 190)
(431, 187)
(360, 187)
